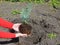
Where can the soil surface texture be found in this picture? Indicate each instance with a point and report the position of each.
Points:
(44, 19)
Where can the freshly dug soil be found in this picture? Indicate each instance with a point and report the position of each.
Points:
(44, 19)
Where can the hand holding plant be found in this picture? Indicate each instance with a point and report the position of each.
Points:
(16, 26)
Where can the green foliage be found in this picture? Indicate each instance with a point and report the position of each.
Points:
(13, 0)
(36, 1)
(22, 0)
(52, 35)
(14, 12)
(55, 3)
(42, 1)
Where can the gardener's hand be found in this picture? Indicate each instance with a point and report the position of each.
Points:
(16, 26)
(21, 35)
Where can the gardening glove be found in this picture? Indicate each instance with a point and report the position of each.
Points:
(21, 35)
(16, 26)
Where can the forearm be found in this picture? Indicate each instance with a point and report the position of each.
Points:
(7, 35)
(5, 23)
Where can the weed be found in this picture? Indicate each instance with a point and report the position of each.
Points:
(14, 12)
(52, 35)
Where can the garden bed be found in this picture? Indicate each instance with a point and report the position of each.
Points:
(44, 19)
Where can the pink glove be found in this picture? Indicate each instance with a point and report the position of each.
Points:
(21, 35)
(15, 26)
